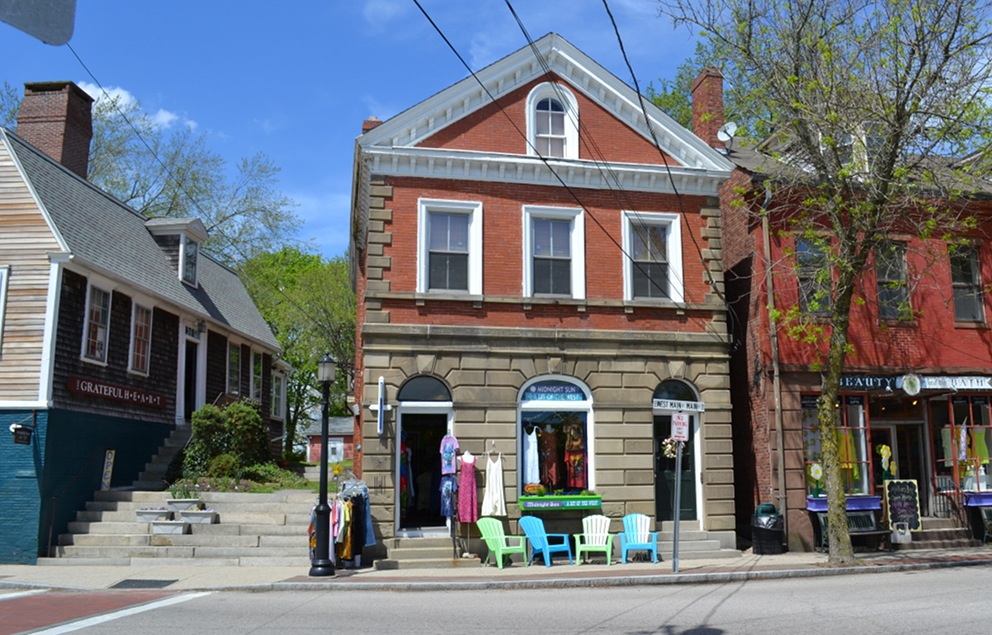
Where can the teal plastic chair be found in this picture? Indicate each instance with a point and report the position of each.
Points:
(541, 542)
(498, 543)
(637, 536)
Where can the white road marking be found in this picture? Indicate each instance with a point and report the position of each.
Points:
(116, 615)
(19, 594)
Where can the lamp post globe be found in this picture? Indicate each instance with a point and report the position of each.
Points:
(322, 565)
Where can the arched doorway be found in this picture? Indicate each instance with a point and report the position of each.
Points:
(425, 414)
(664, 467)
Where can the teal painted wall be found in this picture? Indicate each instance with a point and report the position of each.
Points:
(46, 483)
(21, 468)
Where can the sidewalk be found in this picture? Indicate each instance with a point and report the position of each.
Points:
(205, 577)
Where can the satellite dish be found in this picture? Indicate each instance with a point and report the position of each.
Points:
(726, 131)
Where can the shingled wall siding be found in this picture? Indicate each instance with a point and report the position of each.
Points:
(622, 371)
(68, 363)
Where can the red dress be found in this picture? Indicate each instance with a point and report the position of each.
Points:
(468, 502)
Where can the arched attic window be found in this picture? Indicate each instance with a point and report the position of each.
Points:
(552, 122)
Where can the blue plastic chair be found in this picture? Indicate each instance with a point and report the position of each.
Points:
(636, 537)
(544, 543)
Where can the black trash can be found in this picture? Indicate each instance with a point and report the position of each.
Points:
(767, 530)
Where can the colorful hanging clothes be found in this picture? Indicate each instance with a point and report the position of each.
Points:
(448, 488)
(575, 467)
(468, 501)
(449, 454)
(531, 463)
(493, 500)
(979, 445)
(550, 474)
(847, 453)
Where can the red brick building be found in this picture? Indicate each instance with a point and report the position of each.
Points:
(529, 261)
(917, 383)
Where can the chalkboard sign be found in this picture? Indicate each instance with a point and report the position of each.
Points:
(902, 498)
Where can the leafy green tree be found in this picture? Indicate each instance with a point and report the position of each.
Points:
(865, 100)
(164, 171)
(310, 306)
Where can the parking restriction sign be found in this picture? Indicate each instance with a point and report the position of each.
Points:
(680, 426)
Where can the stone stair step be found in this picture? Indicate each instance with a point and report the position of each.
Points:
(106, 540)
(235, 552)
(72, 551)
(83, 562)
(421, 553)
(82, 527)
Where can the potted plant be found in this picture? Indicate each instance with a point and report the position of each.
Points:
(149, 514)
(199, 515)
(169, 526)
(182, 497)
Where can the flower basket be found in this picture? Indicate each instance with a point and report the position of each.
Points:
(170, 527)
(182, 504)
(152, 514)
(199, 516)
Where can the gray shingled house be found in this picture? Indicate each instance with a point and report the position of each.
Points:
(113, 328)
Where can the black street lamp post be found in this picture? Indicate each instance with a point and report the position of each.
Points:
(322, 565)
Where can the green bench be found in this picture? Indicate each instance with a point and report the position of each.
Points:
(862, 525)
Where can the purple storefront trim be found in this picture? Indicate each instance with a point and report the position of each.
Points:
(854, 503)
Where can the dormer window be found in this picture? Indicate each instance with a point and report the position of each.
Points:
(188, 258)
(552, 122)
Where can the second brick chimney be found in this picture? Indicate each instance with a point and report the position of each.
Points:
(57, 118)
(707, 106)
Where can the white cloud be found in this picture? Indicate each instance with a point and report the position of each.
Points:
(126, 102)
(378, 13)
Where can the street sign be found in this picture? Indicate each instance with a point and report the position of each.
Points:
(671, 404)
(680, 426)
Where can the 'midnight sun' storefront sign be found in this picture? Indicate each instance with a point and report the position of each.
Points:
(113, 392)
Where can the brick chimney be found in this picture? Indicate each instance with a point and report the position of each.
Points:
(707, 106)
(371, 122)
(57, 118)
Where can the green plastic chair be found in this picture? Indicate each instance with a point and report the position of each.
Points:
(595, 538)
(498, 543)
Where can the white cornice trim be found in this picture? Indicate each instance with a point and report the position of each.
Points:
(584, 74)
(521, 169)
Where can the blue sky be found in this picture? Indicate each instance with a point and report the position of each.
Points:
(296, 79)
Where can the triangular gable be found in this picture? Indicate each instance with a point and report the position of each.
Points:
(582, 73)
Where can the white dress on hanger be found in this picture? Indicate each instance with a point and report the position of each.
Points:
(493, 500)
(531, 470)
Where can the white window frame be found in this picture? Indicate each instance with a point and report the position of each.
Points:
(185, 274)
(237, 386)
(473, 209)
(84, 353)
(673, 249)
(564, 96)
(257, 375)
(277, 406)
(577, 245)
(4, 276)
(132, 365)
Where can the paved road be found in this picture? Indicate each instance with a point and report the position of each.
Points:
(933, 602)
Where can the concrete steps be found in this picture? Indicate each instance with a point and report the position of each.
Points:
(153, 476)
(423, 553)
(938, 533)
(252, 530)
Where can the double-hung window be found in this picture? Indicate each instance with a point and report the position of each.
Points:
(141, 338)
(555, 252)
(652, 246)
(96, 331)
(278, 396)
(189, 256)
(233, 368)
(813, 271)
(966, 283)
(552, 122)
(256, 376)
(450, 247)
(890, 271)
(4, 275)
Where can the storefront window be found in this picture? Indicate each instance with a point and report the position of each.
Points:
(556, 437)
(962, 440)
(851, 445)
